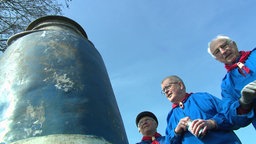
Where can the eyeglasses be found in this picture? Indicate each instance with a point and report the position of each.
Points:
(164, 90)
(144, 121)
(224, 46)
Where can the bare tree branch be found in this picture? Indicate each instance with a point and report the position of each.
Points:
(15, 15)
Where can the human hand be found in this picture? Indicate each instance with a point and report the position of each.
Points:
(182, 125)
(248, 93)
(199, 127)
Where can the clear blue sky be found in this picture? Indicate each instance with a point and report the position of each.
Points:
(143, 41)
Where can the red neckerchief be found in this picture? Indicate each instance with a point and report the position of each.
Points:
(152, 138)
(240, 63)
(174, 105)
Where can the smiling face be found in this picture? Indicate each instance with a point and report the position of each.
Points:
(224, 50)
(147, 126)
(174, 89)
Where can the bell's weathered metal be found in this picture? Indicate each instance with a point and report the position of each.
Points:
(55, 89)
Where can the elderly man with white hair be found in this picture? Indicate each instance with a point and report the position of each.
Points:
(238, 87)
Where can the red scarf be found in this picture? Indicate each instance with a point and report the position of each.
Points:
(240, 63)
(152, 138)
(174, 105)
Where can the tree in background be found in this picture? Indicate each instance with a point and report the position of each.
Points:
(15, 15)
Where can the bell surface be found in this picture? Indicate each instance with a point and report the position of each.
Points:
(54, 86)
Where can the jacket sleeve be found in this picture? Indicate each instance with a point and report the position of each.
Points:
(230, 99)
(226, 118)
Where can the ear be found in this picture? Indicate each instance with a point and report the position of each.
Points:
(139, 130)
(156, 124)
(181, 85)
(234, 43)
(235, 46)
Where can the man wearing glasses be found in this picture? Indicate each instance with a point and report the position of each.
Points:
(196, 117)
(147, 125)
(240, 76)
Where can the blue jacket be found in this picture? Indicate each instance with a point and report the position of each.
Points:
(231, 87)
(202, 106)
(161, 140)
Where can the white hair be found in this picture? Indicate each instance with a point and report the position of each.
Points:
(216, 38)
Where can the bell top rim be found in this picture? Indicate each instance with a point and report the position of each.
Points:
(55, 18)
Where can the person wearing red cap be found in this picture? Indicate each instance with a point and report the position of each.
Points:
(147, 125)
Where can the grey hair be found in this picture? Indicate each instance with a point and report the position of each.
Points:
(174, 78)
(216, 38)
